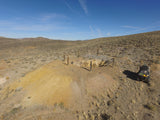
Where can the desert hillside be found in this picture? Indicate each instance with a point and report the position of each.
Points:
(44, 79)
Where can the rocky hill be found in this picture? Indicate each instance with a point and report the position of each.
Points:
(45, 79)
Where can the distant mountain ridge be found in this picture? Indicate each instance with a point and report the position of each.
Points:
(44, 38)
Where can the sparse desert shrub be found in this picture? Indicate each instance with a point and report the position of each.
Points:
(85, 115)
(157, 61)
(61, 105)
(43, 60)
(78, 54)
(109, 103)
(133, 101)
(7, 115)
(105, 116)
(8, 61)
(150, 107)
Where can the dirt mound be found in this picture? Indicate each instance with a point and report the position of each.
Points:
(59, 84)
(51, 84)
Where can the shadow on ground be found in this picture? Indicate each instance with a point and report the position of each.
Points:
(130, 74)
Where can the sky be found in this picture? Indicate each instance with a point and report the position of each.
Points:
(77, 19)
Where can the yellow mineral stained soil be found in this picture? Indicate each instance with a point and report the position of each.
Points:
(47, 85)
(30, 47)
(58, 83)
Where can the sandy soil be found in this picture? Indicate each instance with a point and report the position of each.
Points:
(2, 81)
(36, 82)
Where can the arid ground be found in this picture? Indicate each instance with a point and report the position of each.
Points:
(43, 79)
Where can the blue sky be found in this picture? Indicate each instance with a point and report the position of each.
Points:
(77, 19)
